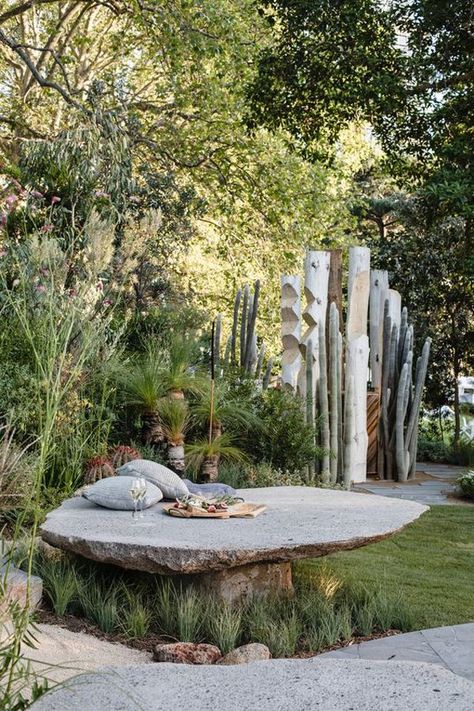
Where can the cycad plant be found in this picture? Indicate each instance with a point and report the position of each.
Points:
(174, 417)
(204, 455)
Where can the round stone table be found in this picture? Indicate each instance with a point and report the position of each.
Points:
(233, 558)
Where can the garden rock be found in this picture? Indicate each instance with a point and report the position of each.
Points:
(187, 653)
(15, 583)
(253, 652)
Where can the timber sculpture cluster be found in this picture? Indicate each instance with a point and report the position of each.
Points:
(329, 367)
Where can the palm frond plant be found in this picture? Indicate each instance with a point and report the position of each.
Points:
(204, 455)
(156, 375)
(143, 387)
(222, 409)
(176, 372)
(174, 418)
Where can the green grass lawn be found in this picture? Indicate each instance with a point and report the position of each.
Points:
(430, 565)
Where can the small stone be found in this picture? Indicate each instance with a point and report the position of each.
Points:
(187, 653)
(253, 652)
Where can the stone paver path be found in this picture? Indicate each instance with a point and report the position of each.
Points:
(300, 685)
(61, 654)
(435, 484)
(449, 647)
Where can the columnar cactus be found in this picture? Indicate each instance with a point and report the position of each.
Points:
(349, 430)
(400, 398)
(324, 403)
(334, 389)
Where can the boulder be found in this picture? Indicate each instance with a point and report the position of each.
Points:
(253, 652)
(187, 653)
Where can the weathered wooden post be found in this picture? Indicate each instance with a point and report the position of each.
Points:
(378, 295)
(357, 355)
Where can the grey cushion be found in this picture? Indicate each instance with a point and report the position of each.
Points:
(210, 490)
(114, 493)
(170, 483)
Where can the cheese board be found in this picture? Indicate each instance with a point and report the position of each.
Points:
(239, 510)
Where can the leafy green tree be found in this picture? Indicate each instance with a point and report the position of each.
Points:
(427, 263)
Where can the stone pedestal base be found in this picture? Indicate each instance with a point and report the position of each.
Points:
(243, 582)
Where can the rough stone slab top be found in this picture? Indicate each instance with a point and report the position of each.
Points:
(279, 685)
(300, 522)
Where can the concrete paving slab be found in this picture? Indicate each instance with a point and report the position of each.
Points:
(451, 647)
(278, 685)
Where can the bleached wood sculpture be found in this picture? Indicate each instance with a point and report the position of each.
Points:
(356, 368)
(357, 355)
(378, 295)
(395, 307)
(316, 280)
(335, 374)
(291, 359)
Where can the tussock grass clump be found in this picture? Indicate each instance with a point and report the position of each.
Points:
(60, 583)
(223, 625)
(324, 611)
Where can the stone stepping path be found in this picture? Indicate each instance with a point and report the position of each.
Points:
(435, 485)
(61, 654)
(299, 685)
(448, 647)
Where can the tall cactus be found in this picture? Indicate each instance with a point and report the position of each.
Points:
(217, 344)
(243, 325)
(235, 325)
(333, 379)
(241, 347)
(309, 396)
(324, 403)
(349, 430)
(340, 412)
(400, 399)
(252, 319)
(268, 374)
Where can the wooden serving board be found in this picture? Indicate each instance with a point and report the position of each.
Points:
(242, 510)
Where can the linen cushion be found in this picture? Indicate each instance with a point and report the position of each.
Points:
(114, 493)
(172, 486)
(210, 490)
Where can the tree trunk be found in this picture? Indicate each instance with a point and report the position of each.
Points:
(216, 429)
(152, 431)
(176, 458)
(210, 469)
(457, 414)
(176, 395)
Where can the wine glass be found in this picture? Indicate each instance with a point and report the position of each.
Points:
(135, 493)
(142, 488)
